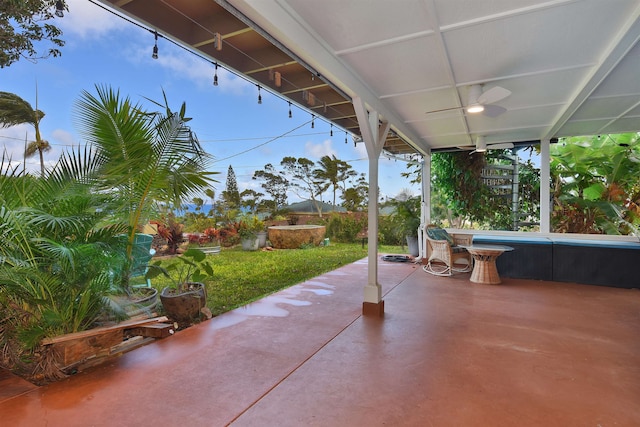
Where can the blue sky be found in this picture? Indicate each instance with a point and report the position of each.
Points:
(102, 49)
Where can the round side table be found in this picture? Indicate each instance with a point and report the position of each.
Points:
(484, 262)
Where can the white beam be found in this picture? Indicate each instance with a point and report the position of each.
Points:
(425, 205)
(545, 187)
(278, 19)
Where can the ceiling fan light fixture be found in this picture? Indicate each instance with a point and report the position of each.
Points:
(475, 108)
(481, 145)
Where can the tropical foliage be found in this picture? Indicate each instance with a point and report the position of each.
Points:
(63, 249)
(147, 160)
(192, 266)
(596, 184)
(57, 247)
(24, 26)
(249, 226)
(344, 228)
(461, 195)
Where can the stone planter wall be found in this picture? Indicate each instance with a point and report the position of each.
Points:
(295, 236)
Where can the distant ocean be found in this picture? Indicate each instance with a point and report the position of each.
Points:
(190, 207)
(205, 209)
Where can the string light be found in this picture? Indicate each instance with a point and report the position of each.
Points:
(313, 118)
(277, 76)
(345, 137)
(331, 133)
(154, 55)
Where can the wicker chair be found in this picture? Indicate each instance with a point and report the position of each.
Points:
(445, 250)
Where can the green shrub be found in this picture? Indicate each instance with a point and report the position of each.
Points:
(390, 230)
(344, 228)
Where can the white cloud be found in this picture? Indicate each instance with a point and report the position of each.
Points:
(86, 20)
(316, 151)
(13, 141)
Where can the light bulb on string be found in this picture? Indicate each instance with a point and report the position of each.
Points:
(345, 137)
(215, 75)
(259, 96)
(290, 115)
(154, 55)
(313, 118)
(331, 133)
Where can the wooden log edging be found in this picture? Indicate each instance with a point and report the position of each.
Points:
(88, 348)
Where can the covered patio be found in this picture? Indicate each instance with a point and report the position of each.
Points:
(446, 353)
(441, 351)
(402, 77)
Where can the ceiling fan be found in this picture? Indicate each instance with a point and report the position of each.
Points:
(482, 146)
(482, 102)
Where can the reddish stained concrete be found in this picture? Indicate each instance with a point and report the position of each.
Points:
(447, 353)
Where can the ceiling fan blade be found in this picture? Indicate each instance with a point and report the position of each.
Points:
(493, 110)
(494, 94)
(502, 146)
(443, 110)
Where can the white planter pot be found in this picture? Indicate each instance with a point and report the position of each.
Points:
(262, 239)
(250, 244)
(412, 245)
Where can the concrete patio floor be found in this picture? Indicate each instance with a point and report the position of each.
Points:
(446, 353)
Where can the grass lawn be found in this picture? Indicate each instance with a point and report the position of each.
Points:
(245, 276)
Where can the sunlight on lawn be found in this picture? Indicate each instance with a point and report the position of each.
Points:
(245, 276)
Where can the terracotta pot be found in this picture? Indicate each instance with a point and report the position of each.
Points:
(184, 306)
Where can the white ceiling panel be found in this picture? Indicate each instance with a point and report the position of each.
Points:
(400, 67)
(610, 107)
(359, 24)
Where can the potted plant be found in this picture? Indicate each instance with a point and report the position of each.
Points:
(184, 300)
(248, 228)
(408, 217)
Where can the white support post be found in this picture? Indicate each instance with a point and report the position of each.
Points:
(425, 204)
(545, 187)
(374, 135)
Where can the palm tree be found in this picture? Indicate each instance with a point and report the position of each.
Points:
(334, 171)
(144, 159)
(15, 111)
(54, 260)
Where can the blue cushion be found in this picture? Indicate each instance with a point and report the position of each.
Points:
(524, 239)
(622, 244)
(439, 234)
